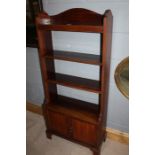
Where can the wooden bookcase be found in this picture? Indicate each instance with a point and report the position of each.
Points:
(73, 119)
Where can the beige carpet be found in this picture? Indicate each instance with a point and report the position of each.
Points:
(38, 144)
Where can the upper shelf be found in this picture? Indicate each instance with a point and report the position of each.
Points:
(72, 28)
(75, 57)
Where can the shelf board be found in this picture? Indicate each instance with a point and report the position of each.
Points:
(72, 28)
(75, 108)
(75, 57)
(74, 82)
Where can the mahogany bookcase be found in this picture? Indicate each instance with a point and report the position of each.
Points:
(73, 119)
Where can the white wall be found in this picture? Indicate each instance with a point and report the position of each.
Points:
(118, 108)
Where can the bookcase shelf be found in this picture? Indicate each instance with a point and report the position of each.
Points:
(76, 120)
(75, 57)
(72, 28)
(75, 82)
(75, 108)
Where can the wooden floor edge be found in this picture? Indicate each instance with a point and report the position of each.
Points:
(117, 135)
(111, 133)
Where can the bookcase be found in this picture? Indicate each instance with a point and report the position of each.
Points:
(73, 119)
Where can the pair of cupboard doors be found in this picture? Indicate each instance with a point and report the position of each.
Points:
(72, 128)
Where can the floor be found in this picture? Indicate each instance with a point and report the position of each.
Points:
(38, 144)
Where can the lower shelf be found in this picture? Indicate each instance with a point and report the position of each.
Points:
(75, 108)
(74, 82)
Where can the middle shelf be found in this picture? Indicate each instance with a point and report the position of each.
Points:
(74, 82)
(74, 57)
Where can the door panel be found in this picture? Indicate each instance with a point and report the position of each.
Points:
(84, 132)
(58, 123)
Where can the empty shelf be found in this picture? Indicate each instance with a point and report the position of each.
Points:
(75, 57)
(74, 82)
(72, 28)
(75, 108)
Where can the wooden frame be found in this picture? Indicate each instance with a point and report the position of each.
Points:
(73, 119)
(122, 77)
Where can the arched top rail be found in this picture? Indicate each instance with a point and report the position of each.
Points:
(78, 16)
(76, 19)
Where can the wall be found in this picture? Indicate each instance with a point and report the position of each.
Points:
(118, 107)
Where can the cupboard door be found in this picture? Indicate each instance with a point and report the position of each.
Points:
(58, 123)
(84, 132)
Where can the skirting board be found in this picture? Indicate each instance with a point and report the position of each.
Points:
(34, 108)
(111, 133)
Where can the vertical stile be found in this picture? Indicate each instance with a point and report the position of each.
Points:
(45, 44)
(104, 71)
